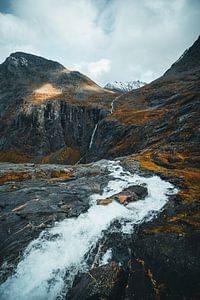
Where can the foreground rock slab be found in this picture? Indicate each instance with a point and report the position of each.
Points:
(34, 197)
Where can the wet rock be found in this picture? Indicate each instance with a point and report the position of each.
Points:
(140, 283)
(105, 282)
(130, 194)
(36, 202)
(104, 201)
(172, 259)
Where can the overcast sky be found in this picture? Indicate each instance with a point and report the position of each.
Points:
(107, 40)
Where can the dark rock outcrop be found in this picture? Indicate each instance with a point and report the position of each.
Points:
(105, 282)
(130, 194)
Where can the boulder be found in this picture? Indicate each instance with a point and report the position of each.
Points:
(130, 194)
(104, 282)
(104, 201)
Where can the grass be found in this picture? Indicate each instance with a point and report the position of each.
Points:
(188, 220)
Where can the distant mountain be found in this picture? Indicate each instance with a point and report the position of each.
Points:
(124, 87)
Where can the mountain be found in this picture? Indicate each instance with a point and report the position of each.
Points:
(43, 106)
(124, 87)
(126, 228)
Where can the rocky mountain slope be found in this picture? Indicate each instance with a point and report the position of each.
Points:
(52, 115)
(124, 87)
(46, 108)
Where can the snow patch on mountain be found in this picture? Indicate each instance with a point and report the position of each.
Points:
(124, 87)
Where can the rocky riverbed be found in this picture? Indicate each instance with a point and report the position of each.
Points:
(54, 229)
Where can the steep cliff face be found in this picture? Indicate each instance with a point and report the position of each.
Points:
(48, 113)
(40, 130)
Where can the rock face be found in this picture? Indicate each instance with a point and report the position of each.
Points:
(47, 111)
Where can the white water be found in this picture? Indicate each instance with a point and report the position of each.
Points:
(112, 104)
(40, 274)
(92, 137)
(106, 257)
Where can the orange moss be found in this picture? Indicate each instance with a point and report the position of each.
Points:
(14, 177)
(189, 191)
(68, 155)
(129, 116)
(45, 159)
(189, 218)
(61, 175)
(174, 229)
(122, 146)
(14, 157)
(63, 156)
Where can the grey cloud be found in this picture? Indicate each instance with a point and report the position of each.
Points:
(106, 39)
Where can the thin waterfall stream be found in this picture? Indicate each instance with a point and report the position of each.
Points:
(112, 104)
(93, 134)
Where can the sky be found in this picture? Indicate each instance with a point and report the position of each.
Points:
(107, 40)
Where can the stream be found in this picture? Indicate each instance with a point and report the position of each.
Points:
(51, 262)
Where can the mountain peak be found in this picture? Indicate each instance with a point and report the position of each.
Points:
(16, 59)
(189, 62)
(26, 60)
(124, 87)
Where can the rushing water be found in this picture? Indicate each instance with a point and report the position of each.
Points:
(92, 137)
(112, 104)
(62, 249)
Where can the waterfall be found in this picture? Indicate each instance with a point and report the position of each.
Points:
(112, 104)
(93, 134)
(51, 262)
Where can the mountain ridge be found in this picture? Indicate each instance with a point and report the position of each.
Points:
(124, 86)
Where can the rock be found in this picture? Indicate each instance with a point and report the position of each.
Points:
(172, 259)
(65, 207)
(104, 201)
(62, 175)
(36, 202)
(140, 283)
(130, 194)
(105, 282)
(140, 191)
(122, 198)
(125, 197)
